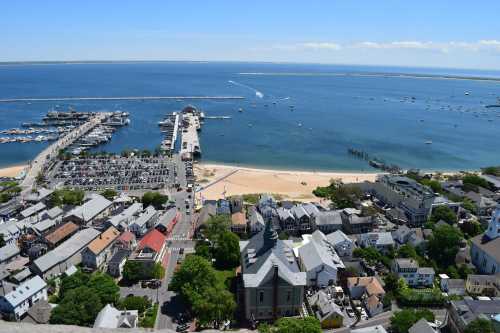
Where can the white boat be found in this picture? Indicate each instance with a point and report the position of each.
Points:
(428, 142)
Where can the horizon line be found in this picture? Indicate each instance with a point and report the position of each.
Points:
(85, 62)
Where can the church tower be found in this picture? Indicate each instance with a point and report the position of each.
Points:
(494, 226)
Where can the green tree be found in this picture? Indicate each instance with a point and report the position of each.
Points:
(227, 251)
(215, 306)
(79, 306)
(479, 325)
(402, 320)
(444, 245)
(202, 249)
(471, 228)
(391, 282)
(407, 251)
(298, 325)
(67, 197)
(475, 180)
(105, 287)
(342, 195)
(73, 281)
(194, 274)
(444, 213)
(217, 225)
(492, 170)
(133, 271)
(109, 194)
(155, 199)
(134, 303)
(433, 184)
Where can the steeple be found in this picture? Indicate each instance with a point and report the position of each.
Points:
(270, 237)
(494, 226)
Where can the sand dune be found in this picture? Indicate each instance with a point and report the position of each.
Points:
(11, 171)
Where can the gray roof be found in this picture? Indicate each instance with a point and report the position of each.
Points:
(406, 263)
(381, 238)
(284, 214)
(44, 225)
(299, 211)
(206, 213)
(470, 309)
(33, 209)
(258, 259)
(22, 275)
(319, 252)
(330, 217)
(119, 256)
(110, 317)
(39, 194)
(421, 326)
(167, 217)
(144, 218)
(40, 312)
(54, 212)
(311, 209)
(492, 179)
(492, 247)
(8, 251)
(426, 270)
(402, 232)
(370, 329)
(125, 215)
(91, 208)
(326, 307)
(25, 291)
(67, 249)
(338, 237)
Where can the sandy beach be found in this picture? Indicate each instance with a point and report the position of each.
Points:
(293, 185)
(11, 171)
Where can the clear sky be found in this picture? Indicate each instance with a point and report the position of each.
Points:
(437, 33)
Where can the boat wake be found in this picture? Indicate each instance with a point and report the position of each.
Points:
(257, 93)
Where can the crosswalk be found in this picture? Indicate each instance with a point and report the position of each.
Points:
(178, 238)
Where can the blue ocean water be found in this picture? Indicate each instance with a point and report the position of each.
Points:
(335, 107)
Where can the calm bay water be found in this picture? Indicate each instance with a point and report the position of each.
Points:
(388, 117)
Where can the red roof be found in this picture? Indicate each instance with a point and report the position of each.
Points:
(126, 237)
(153, 239)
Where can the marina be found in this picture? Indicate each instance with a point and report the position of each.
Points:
(190, 124)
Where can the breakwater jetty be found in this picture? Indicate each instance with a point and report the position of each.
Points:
(124, 98)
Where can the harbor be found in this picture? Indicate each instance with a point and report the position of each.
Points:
(191, 124)
(125, 98)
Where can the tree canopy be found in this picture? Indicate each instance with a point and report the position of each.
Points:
(79, 306)
(155, 199)
(198, 283)
(109, 194)
(134, 271)
(342, 195)
(298, 325)
(479, 325)
(444, 213)
(402, 320)
(444, 245)
(67, 197)
(223, 245)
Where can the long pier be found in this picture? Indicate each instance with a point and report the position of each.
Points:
(124, 98)
(38, 164)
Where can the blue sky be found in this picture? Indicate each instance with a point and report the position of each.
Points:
(463, 34)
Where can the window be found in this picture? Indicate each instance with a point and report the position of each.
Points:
(288, 296)
(261, 296)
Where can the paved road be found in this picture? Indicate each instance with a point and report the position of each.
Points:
(170, 303)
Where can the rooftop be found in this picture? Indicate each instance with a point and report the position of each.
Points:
(91, 208)
(62, 232)
(153, 240)
(25, 291)
(104, 240)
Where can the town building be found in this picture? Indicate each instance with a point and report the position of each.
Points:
(16, 303)
(100, 250)
(452, 286)
(422, 326)
(272, 284)
(413, 198)
(320, 261)
(97, 207)
(484, 285)
(59, 235)
(344, 246)
(32, 210)
(304, 221)
(286, 220)
(328, 221)
(327, 312)
(369, 290)
(111, 317)
(126, 241)
(462, 312)
(382, 241)
(57, 261)
(485, 249)
(353, 223)
(122, 220)
(8, 253)
(414, 275)
(151, 248)
(117, 262)
(144, 222)
(239, 223)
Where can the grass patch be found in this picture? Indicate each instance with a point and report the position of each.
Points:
(149, 318)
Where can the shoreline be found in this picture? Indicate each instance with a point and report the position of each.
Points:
(219, 180)
(12, 171)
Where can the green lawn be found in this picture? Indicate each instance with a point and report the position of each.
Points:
(149, 318)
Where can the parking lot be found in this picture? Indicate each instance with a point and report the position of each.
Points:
(117, 172)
